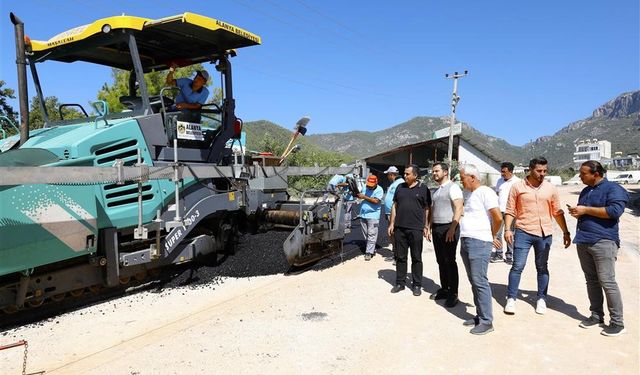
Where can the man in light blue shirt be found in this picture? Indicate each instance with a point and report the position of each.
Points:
(370, 214)
(338, 185)
(335, 183)
(193, 93)
(392, 175)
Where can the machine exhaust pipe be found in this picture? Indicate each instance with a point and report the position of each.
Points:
(21, 62)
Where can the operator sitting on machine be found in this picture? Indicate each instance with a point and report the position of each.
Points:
(193, 94)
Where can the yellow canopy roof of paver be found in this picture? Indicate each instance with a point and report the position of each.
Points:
(183, 39)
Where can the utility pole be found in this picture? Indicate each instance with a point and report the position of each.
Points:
(454, 101)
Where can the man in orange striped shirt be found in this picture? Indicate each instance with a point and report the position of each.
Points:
(533, 203)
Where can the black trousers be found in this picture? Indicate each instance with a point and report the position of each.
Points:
(406, 239)
(446, 256)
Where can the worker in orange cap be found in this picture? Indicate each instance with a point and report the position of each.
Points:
(370, 214)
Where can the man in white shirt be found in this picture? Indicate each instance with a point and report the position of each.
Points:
(478, 231)
(503, 186)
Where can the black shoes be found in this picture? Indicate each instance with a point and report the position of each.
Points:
(417, 290)
(496, 257)
(591, 322)
(452, 300)
(440, 294)
(397, 288)
(613, 330)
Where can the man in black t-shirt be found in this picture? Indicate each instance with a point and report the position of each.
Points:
(408, 225)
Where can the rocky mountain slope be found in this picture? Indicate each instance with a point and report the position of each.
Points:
(617, 121)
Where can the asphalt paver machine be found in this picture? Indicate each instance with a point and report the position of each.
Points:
(109, 197)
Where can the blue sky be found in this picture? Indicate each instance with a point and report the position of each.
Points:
(368, 65)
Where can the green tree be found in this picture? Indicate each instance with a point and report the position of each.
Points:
(309, 155)
(36, 117)
(6, 109)
(155, 81)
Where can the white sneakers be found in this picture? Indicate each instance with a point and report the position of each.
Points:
(510, 307)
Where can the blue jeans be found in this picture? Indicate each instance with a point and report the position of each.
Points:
(521, 245)
(475, 255)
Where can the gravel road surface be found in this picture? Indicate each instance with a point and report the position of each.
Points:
(338, 317)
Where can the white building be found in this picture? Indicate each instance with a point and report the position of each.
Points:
(631, 161)
(591, 149)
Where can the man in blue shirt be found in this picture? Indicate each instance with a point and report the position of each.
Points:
(392, 175)
(599, 208)
(370, 214)
(335, 183)
(193, 93)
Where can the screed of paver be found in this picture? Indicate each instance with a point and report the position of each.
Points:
(344, 320)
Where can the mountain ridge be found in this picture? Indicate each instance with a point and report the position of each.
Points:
(617, 121)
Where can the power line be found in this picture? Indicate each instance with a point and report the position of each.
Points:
(333, 84)
(322, 14)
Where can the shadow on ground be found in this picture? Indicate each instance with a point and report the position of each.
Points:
(461, 310)
(499, 292)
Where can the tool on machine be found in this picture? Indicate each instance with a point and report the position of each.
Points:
(300, 128)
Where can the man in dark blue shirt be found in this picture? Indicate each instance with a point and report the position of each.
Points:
(599, 208)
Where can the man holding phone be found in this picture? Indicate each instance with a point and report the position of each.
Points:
(599, 208)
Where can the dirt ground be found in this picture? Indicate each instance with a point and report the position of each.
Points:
(343, 320)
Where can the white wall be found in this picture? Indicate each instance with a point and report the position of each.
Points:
(471, 155)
